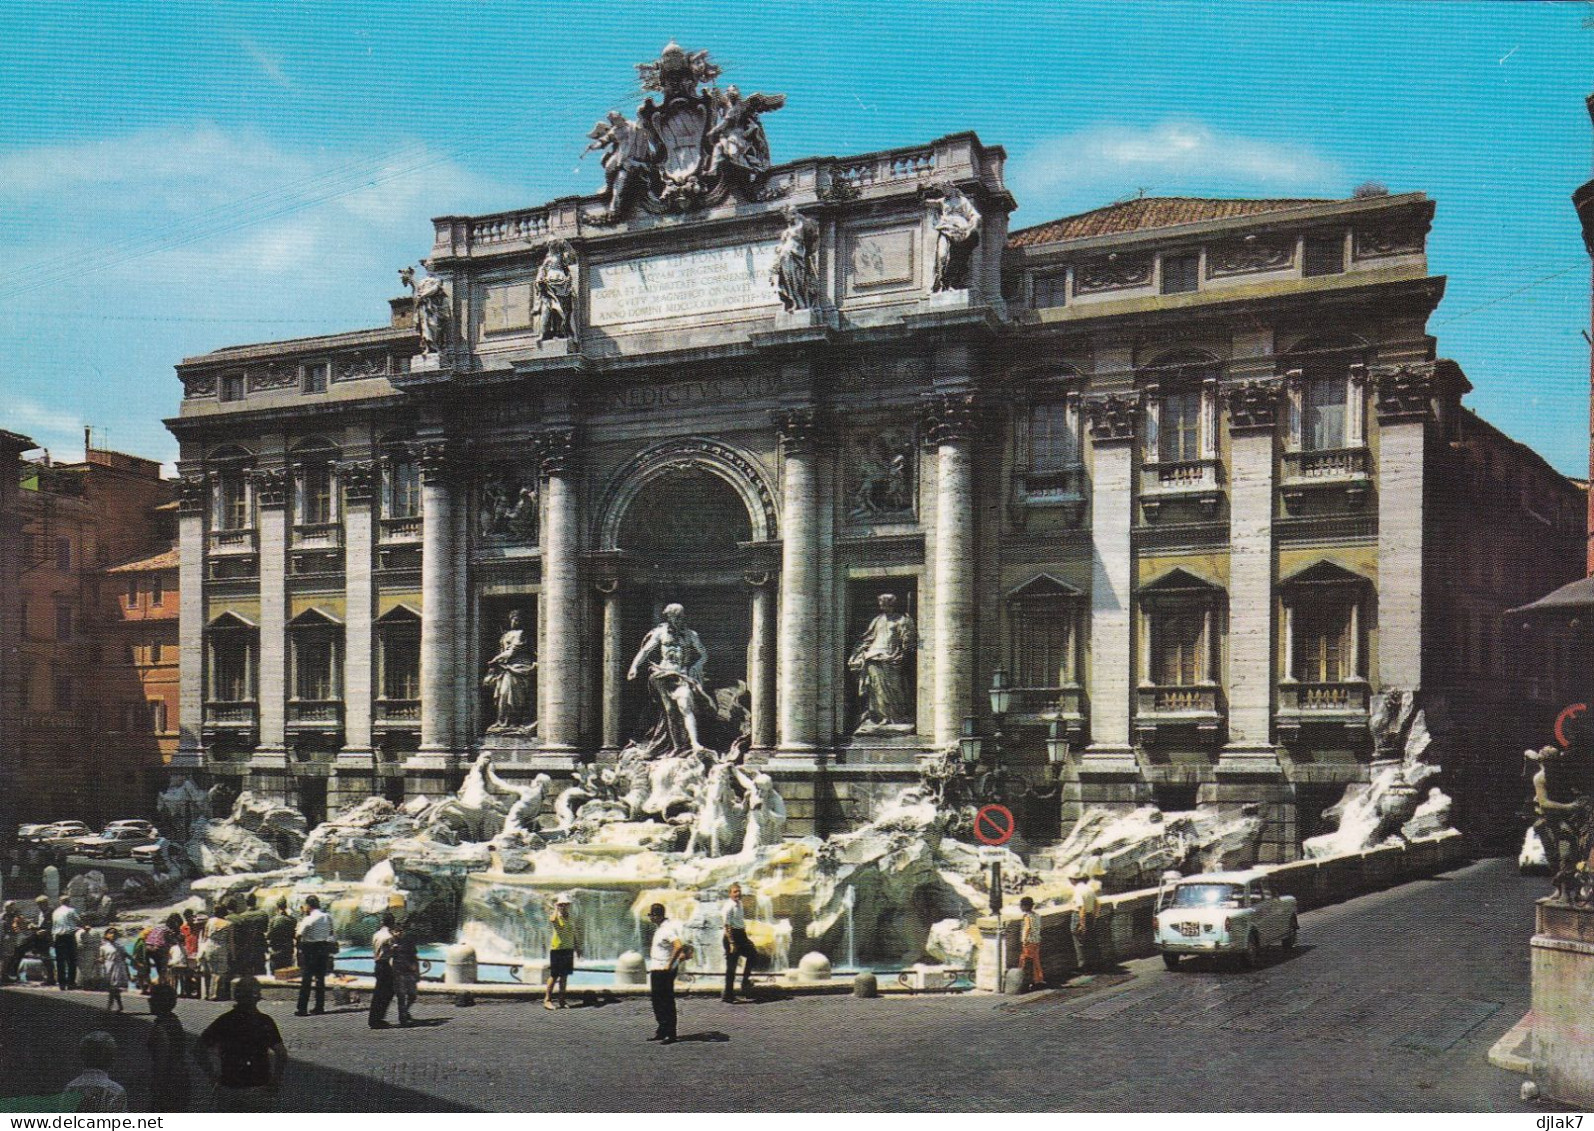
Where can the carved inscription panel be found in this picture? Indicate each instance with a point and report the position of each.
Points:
(709, 281)
(506, 307)
(882, 259)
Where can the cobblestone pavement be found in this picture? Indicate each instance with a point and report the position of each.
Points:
(1390, 1004)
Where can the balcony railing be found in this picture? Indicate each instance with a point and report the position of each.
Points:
(1173, 701)
(398, 712)
(1326, 465)
(406, 529)
(240, 541)
(231, 714)
(1319, 698)
(1046, 703)
(316, 712)
(318, 534)
(1179, 476)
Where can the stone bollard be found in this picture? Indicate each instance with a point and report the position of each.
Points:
(813, 967)
(630, 969)
(459, 969)
(865, 985)
(1013, 982)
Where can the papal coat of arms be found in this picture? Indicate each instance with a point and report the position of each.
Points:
(689, 148)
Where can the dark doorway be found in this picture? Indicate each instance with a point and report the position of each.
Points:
(312, 799)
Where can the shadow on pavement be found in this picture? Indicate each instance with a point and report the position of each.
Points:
(713, 1036)
(41, 1057)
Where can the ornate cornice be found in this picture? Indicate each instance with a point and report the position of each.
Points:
(1112, 416)
(192, 491)
(1253, 404)
(360, 479)
(199, 384)
(271, 486)
(951, 418)
(557, 450)
(1405, 392)
(802, 430)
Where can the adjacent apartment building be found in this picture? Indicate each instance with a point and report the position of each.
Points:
(88, 685)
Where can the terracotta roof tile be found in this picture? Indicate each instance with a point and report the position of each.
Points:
(166, 559)
(1148, 212)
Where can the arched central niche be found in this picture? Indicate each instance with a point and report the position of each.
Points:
(685, 514)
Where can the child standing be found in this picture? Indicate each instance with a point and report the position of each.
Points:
(113, 963)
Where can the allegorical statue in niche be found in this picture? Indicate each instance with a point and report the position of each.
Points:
(509, 507)
(629, 151)
(881, 661)
(431, 309)
(737, 135)
(509, 677)
(885, 483)
(957, 233)
(675, 657)
(554, 292)
(794, 271)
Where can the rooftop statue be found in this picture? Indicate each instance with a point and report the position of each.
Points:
(957, 233)
(431, 309)
(689, 148)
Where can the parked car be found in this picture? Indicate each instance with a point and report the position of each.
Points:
(28, 833)
(112, 843)
(138, 823)
(62, 834)
(1223, 913)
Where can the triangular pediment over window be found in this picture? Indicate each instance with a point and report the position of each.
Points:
(1044, 587)
(399, 614)
(311, 618)
(1180, 580)
(231, 619)
(1324, 571)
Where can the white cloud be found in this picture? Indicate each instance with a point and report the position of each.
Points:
(45, 426)
(1172, 157)
(269, 64)
(166, 203)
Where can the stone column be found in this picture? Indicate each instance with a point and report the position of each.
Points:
(1112, 673)
(356, 762)
(1405, 405)
(559, 667)
(952, 422)
(271, 499)
(614, 661)
(193, 495)
(797, 650)
(1253, 418)
(440, 642)
(761, 661)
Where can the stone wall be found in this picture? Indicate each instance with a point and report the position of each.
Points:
(1124, 929)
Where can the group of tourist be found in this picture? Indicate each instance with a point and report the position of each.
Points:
(50, 935)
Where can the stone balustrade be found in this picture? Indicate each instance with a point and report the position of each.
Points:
(1187, 700)
(240, 541)
(1306, 698)
(406, 529)
(1327, 464)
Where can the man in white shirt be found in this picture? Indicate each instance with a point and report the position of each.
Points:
(1082, 921)
(666, 953)
(64, 926)
(737, 945)
(316, 948)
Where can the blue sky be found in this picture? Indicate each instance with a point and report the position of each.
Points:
(179, 176)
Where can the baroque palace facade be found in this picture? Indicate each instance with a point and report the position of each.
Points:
(1171, 466)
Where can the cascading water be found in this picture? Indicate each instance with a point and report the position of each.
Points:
(780, 958)
(510, 923)
(849, 901)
